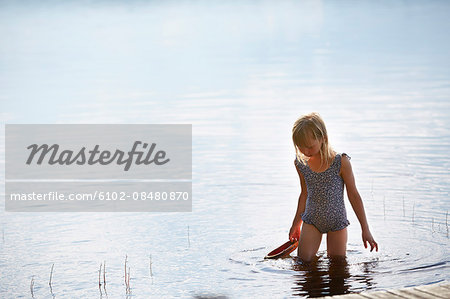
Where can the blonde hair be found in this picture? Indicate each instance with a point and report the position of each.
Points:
(307, 127)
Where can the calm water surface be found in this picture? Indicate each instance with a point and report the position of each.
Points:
(240, 73)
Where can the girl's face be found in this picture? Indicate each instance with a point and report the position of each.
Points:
(311, 148)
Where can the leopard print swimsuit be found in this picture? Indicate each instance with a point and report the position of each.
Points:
(325, 208)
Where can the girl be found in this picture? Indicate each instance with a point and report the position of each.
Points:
(323, 174)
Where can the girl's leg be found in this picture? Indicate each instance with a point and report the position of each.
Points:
(309, 242)
(337, 243)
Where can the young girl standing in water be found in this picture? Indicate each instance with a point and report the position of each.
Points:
(323, 174)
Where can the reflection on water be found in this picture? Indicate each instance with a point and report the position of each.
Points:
(322, 277)
(328, 276)
(240, 72)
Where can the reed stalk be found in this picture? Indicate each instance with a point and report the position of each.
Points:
(446, 223)
(99, 274)
(128, 281)
(127, 277)
(104, 274)
(31, 287)
(151, 272)
(403, 206)
(126, 257)
(51, 274)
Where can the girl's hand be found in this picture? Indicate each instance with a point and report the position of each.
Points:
(367, 238)
(294, 233)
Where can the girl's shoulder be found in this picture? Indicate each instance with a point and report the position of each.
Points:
(344, 159)
(344, 163)
(298, 163)
(346, 156)
(340, 155)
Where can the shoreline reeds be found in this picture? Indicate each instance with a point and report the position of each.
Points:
(32, 286)
(127, 277)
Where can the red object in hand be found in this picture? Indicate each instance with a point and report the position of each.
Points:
(282, 251)
(295, 235)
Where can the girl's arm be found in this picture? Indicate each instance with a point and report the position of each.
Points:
(294, 232)
(356, 202)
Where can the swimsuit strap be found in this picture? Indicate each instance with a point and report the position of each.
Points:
(336, 164)
(298, 163)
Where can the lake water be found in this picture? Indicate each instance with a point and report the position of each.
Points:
(240, 72)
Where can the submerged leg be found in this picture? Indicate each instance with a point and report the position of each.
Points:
(337, 243)
(309, 242)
